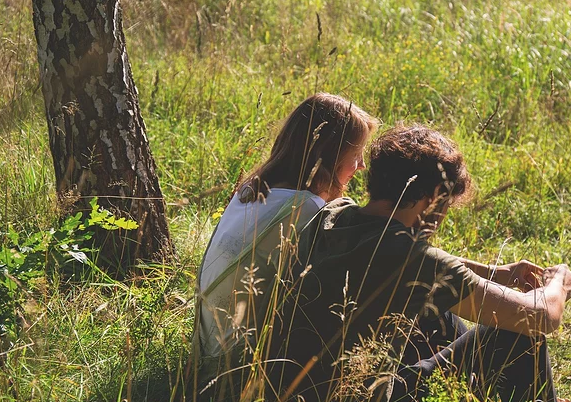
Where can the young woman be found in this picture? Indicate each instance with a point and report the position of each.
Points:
(316, 153)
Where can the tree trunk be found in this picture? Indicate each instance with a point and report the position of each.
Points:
(97, 135)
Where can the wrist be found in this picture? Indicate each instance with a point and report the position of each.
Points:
(502, 274)
(492, 271)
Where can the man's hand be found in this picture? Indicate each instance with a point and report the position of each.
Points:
(559, 275)
(523, 275)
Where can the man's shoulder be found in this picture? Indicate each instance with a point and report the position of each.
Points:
(339, 205)
(332, 211)
(340, 228)
(343, 217)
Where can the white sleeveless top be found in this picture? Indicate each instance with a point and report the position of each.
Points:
(226, 312)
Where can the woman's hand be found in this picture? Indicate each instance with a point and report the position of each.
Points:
(523, 275)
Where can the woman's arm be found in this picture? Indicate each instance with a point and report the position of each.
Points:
(522, 275)
(538, 310)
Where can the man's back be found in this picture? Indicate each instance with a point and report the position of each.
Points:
(360, 277)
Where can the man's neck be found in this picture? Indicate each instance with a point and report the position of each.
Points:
(407, 216)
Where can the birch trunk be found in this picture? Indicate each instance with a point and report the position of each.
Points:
(96, 133)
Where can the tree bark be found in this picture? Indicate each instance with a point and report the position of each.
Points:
(97, 135)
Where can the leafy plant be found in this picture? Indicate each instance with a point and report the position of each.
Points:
(493, 73)
(443, 388)
(23, 258)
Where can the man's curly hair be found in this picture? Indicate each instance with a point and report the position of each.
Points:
(404, 152)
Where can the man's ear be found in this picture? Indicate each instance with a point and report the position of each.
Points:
(437, 193)
(424, 204)
(431, 199)
(441, 194)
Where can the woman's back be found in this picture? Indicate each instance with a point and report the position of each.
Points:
(248, 236)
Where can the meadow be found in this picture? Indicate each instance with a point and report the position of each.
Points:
(215, 78)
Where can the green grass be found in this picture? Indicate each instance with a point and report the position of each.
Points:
(493, 74)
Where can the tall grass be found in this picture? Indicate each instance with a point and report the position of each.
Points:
(215, 78)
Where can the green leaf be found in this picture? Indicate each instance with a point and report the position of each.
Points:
(98, 216)
(12, 235)
(105, 219)
(94, 204)
(126, 224)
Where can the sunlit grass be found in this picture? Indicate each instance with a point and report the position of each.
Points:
(215, 78)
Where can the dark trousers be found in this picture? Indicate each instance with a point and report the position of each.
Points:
(514, 366)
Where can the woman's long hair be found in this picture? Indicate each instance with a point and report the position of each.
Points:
(315, 138)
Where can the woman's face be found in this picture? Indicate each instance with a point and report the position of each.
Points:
(352, 162)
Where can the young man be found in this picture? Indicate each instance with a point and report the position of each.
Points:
(371, 311)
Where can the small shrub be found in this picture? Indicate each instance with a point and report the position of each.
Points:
(24, 258)
(443, 388)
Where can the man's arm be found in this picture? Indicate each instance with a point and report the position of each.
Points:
(538, 310)
(521, 275)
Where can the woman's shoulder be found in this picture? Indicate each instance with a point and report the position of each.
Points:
(278, 199)
(284, 197)
(289, 192)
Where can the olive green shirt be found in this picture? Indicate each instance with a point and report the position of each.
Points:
(359, 277)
